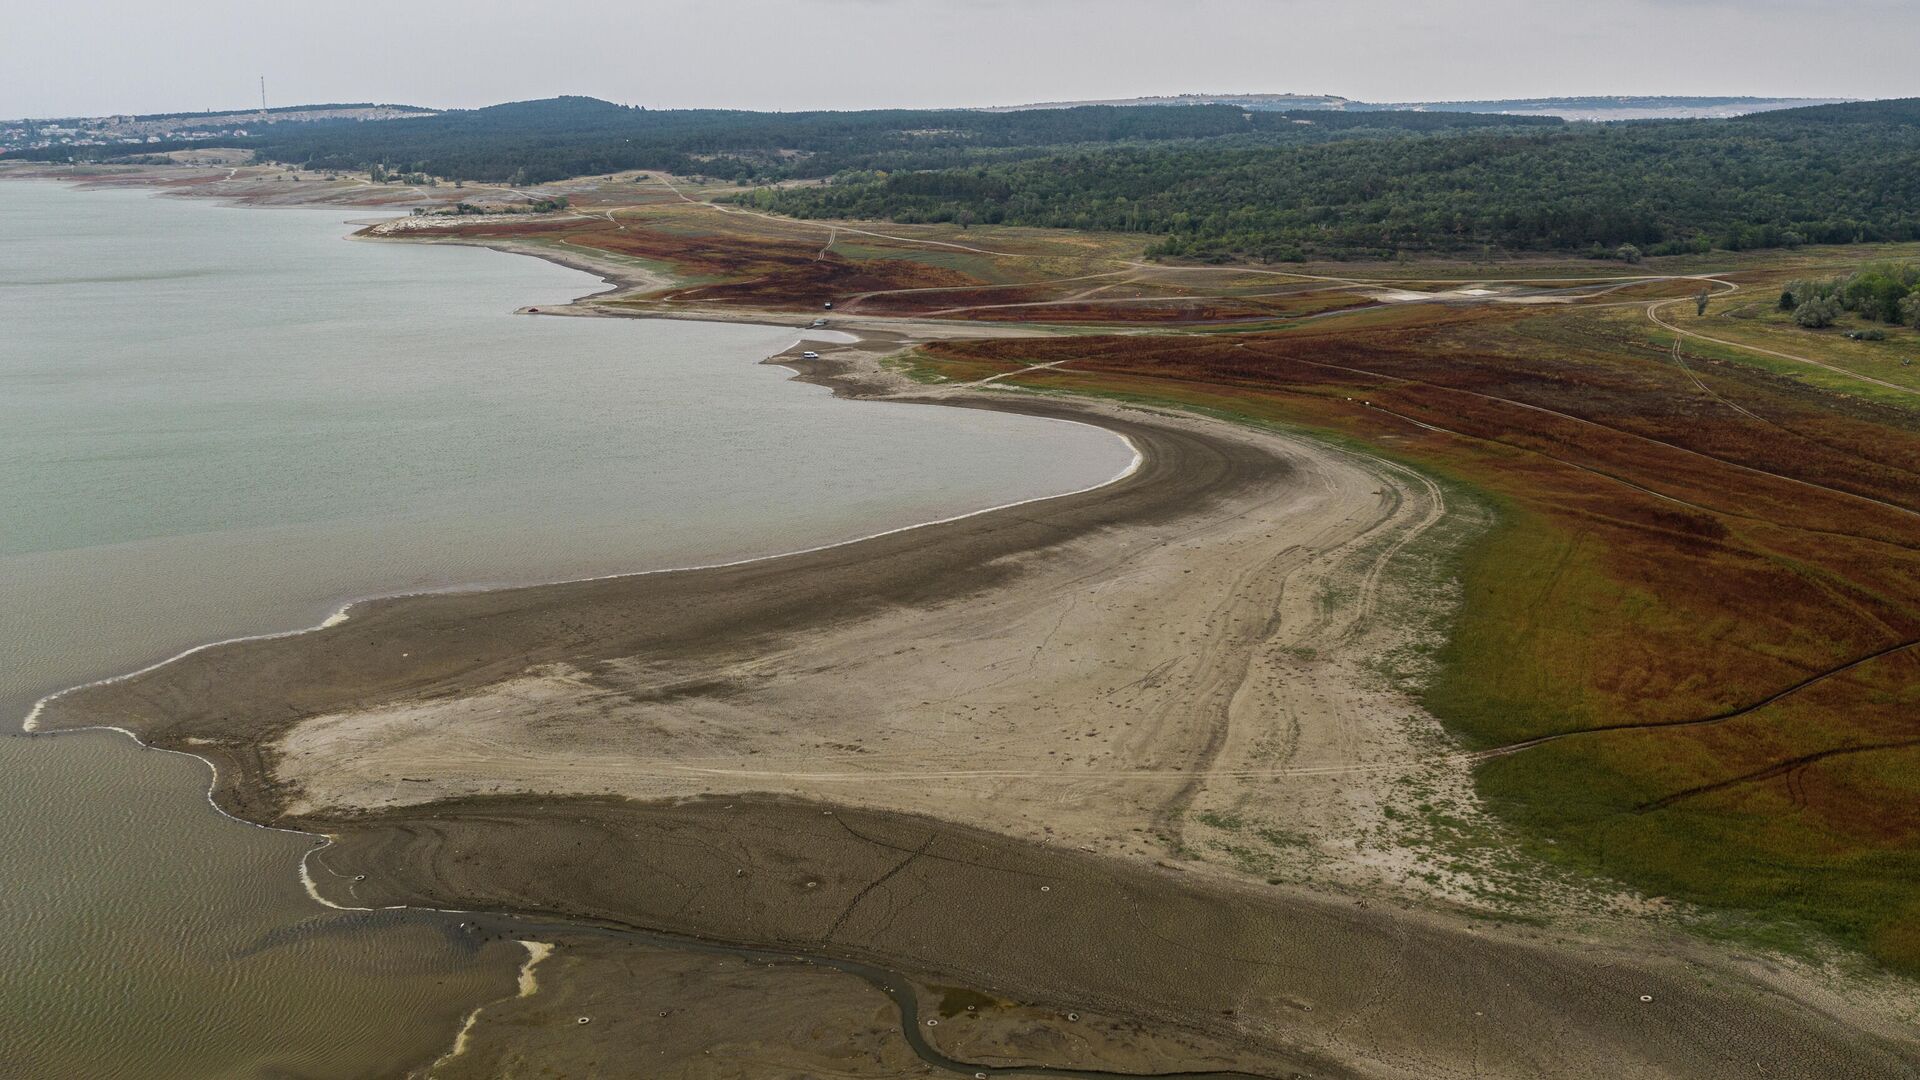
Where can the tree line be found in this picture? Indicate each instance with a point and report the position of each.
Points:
(537, 142)
(1214, 182)
(1771, 180)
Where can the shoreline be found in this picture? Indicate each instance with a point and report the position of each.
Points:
(218, 777)
(845, 381)
(609, 274)
(29, 725)
(616, 283)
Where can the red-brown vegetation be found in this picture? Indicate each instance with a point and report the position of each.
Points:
(1721, 595)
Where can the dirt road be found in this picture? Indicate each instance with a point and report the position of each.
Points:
(1653, 313)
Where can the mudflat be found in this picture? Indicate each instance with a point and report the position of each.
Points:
(960, 751)
(1273, 985)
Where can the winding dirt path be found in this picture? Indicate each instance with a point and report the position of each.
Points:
(1653, 313)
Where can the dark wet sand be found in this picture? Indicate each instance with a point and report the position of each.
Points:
(1296, 986)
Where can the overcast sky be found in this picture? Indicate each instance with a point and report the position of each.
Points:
(81, 57)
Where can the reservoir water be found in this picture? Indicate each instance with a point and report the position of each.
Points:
(218, 421)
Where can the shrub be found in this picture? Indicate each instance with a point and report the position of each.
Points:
(1816, 314)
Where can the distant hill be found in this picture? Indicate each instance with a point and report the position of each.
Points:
(359, 110)
(1602, 108)
(1620, 108)
(1270, 102)
(183, 128)
(1895, 111)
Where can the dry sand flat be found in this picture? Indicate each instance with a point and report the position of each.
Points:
(1076, 672)
(1085, 702)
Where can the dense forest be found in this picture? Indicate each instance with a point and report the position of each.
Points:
(540, 141)
(1826, 174)
(535, 142)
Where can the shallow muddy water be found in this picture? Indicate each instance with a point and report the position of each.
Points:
(217, 422)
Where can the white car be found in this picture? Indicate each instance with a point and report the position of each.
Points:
(809, 355)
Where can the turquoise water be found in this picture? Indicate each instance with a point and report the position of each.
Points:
(216, 421)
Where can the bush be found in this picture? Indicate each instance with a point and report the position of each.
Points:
(1815, 290)
(1816, 314)
(1877, 291)
(1697, 246)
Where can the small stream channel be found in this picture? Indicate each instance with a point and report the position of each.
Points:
(898, 988)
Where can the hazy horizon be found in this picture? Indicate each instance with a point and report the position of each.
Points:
(348, 98)
(1201, 93)
(850, 54)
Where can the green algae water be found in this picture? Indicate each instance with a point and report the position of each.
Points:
(217, 422)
